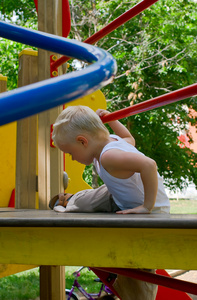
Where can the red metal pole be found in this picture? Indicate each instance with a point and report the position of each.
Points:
(162, 100)
(66, 20)
(169, 282)
(112, 26)
(106, 279)
(138, 8)
(36, 4)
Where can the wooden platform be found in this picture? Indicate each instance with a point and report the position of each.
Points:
(101, 240)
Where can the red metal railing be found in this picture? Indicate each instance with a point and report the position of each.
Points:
(112, 26)
(66, 20)
(162, 100)
(169, 282)
(36, 5)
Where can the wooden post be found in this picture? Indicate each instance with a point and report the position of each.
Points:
(52, 282)
(50, 160)
(26, 149)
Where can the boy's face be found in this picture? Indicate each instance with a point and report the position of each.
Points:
(78, 151)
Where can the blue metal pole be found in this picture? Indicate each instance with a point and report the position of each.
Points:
(35, 98)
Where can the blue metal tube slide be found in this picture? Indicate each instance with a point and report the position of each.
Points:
(35, 98)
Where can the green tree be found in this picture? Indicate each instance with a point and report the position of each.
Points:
(21, 13)
(156, 53)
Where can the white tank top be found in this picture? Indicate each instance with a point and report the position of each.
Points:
(129, 192)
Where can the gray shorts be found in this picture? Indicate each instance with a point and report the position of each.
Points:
(92, 200)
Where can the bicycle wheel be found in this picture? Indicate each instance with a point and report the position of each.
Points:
(72, 297)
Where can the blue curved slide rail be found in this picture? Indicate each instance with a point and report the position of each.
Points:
(37, 97)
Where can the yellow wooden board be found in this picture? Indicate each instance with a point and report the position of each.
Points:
(6, 270)
(7, 162)
(100, 247)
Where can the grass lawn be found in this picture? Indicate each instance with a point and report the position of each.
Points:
(25, 285)
(183, 206)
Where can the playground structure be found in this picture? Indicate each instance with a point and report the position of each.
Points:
(50, 176)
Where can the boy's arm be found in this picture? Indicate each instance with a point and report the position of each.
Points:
(118, 128)
(124, 166)
(150, 183)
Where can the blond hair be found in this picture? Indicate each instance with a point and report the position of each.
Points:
(77, 120)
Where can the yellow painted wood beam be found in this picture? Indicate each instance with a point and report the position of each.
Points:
(100, 247)
(7, 270)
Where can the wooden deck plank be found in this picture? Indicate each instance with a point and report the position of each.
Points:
(46, 218)
(99, 240)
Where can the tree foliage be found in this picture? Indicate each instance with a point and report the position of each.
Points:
(21, 13)
(156, 53)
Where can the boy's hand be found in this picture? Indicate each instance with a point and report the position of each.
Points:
(117, 127)
(137, 210)
(102, 112)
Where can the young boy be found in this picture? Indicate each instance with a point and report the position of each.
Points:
(131, 177)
